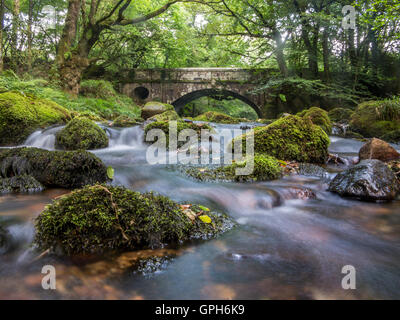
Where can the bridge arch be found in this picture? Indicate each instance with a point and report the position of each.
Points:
(191, 96)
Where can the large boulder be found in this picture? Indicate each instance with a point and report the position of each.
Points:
(20, 115)
(319, 117)
(103, 218)
(370, 180)
(340, 115)
(153, 108)
(378, 149)
(291, 138)
(65, 169)
(81, 134)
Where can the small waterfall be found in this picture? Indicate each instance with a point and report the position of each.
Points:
(44, 139)
(129, 137)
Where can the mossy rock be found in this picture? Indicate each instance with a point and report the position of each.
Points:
(319, 117)
(217, 117)
(169, 115)
(126, 121)
(181, 125)
(23, 183)
(65, 169)
(153, 108)
(97, 89)
(340, 114)
(392, 136)
(376, 118)
(291, 138)
(265, 168)
(103, 218)
(21, 115)
(266, 121)
(81, 134)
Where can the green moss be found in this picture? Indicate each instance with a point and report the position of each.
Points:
(376, 118)
(340, 114)
(65, 169)
(319, 117)
(102, 218)
(166, 116)
(392, 136)
(291, 138)
(97, 89)
(265, 168)
(125, 122)
(81, 133)
(153, 108)
(216, 117)
(23, 183)
(266, 121)
(21, 115)
(181, 125)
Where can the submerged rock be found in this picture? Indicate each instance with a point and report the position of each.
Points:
(308, 169)
(23, 183)
(265, 168)
(378, 149)
(291, 138)
(101, 218)
(81, 134)
(369, 180)
(153, 108)
(65, 169)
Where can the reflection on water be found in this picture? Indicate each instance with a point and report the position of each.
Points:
(283, 248)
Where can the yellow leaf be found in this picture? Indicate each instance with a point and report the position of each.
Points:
(205, 219)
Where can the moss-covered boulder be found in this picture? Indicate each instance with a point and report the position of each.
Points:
(65, 169)
(180, 125)
(340, 114)
(265, 168)
(124, 121)
(23, 183)
(81, 134)
(319, 117)
(217, 117)
(153, 108)
(102, 218)
(166, 116)
(291, 138)
(21, 115)
(376, 118)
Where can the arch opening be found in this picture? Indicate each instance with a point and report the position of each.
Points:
(217, 94)
(141, 93)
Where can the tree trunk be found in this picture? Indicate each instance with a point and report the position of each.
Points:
(325, 53)
(1, 35)
(14, 34)
(280, 56)
(30, 35)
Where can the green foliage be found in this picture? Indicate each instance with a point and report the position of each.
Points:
(392, 136)
(103, 218)
(319, 117)
(81, 133)
(108, 107)
(20, 115)
(64, 169)
(291, 138)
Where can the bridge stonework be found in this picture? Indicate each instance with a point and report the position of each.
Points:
(181, 86)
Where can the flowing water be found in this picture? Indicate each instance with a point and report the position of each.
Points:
(282, 248)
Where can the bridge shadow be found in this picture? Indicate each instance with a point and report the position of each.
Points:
(180, 103)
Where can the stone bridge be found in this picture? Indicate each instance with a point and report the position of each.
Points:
(181, 86)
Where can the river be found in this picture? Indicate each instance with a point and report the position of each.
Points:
(282, 248)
